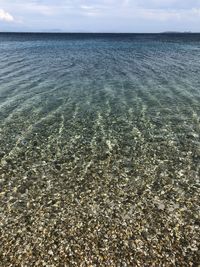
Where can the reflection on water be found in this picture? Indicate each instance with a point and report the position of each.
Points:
(99, 150)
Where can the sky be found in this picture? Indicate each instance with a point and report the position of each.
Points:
(100, 15)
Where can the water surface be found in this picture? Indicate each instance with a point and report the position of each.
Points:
(99, 149)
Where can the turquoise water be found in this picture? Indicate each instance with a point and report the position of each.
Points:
(100, 128)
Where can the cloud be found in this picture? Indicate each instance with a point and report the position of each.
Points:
(102, 15)
(39, 8)
(5, 16)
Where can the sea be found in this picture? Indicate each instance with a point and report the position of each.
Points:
(99, 138)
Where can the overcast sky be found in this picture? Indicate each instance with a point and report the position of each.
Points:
(100, 15)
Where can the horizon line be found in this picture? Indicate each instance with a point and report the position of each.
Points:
(63, 32)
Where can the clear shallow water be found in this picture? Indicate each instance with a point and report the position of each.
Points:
(100, 128)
